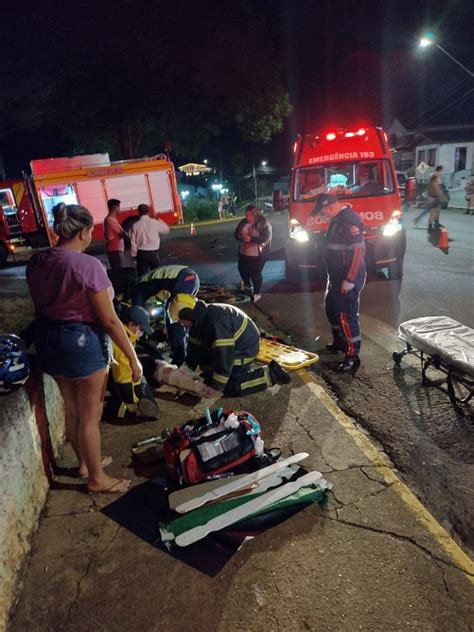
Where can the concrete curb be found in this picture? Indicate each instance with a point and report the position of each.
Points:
(382, 464)
(31, 436)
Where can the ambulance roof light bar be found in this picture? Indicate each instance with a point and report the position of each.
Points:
(350, 134)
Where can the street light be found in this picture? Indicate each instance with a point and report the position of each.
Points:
(216, 187)
(428, 39)
(263, 163)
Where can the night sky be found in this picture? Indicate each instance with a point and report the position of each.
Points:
(342, 62)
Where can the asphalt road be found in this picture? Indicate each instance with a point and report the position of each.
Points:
(429, 442)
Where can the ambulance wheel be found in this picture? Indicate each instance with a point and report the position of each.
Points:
(3, 255)
(395, 270)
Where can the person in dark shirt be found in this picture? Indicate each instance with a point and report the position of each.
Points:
(345, 252)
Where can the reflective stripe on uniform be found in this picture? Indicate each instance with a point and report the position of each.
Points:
(241, 329)
(163, 272)
(241, 361)
(265, 379)
(217, 377)
(228, 342)
(223, 342)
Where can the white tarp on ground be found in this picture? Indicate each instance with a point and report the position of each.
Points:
(452, 341)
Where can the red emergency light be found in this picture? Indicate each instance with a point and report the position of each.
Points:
(350, 134)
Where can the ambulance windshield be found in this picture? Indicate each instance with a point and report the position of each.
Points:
(349, 179)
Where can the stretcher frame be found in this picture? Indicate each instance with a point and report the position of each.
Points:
(453, 375)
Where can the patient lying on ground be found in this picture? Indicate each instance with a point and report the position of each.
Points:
(181, 379)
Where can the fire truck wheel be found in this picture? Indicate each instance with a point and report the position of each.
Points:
(3, 255)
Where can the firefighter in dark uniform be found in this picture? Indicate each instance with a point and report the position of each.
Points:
(223, 341)
(166, 283)
(345, 262)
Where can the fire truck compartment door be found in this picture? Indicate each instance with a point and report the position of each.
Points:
(130, 190)
(161, 191)
(91, 195)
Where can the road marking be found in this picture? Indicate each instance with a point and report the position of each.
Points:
(381, 463)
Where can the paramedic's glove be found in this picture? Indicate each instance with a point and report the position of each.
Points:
(212, 393)
(347, 286)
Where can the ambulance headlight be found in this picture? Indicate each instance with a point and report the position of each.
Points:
(392, 228)
(298, 233)
(301, 236)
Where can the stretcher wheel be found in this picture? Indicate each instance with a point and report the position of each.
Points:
(397, 357)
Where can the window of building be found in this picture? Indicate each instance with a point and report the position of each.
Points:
(460, 158)
(421, 156)
(431, 160)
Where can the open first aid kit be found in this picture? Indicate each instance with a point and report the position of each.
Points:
(217, 443)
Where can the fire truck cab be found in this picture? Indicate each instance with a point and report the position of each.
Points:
(355, 166)
(26, 204)
(91, 180)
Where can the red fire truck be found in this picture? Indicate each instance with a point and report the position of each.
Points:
(356, 166)
(89, 180)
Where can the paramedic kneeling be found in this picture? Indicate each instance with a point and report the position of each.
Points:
(344, 252)
(223, 341)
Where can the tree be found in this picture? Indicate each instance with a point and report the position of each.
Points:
(137, 74)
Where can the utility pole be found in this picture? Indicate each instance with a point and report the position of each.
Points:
(255, 182)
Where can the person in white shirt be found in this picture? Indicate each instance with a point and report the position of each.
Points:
(145, 240)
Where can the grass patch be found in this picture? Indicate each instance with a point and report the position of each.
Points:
(200, 209)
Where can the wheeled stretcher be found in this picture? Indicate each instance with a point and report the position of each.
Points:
(446, 345)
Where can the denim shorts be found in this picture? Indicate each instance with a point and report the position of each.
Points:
(72, 350)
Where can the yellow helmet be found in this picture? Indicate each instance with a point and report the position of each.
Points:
(179, 302)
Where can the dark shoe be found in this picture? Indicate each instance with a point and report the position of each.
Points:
(148, 408)
(349, 365)
(438, 226)
(278, 375)
(336, 346)
(466, 212)
(430, 228)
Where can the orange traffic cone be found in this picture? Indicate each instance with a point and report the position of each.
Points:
(443, 241)
(193, 229)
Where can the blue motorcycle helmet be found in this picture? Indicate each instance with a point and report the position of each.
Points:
(14, 363)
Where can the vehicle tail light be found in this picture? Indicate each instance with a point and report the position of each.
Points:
(11, 247)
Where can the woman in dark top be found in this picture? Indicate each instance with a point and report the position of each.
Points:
(254, 233)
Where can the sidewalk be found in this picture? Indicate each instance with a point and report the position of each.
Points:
(374, 560)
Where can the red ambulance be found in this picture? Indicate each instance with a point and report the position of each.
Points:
(356, 166)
